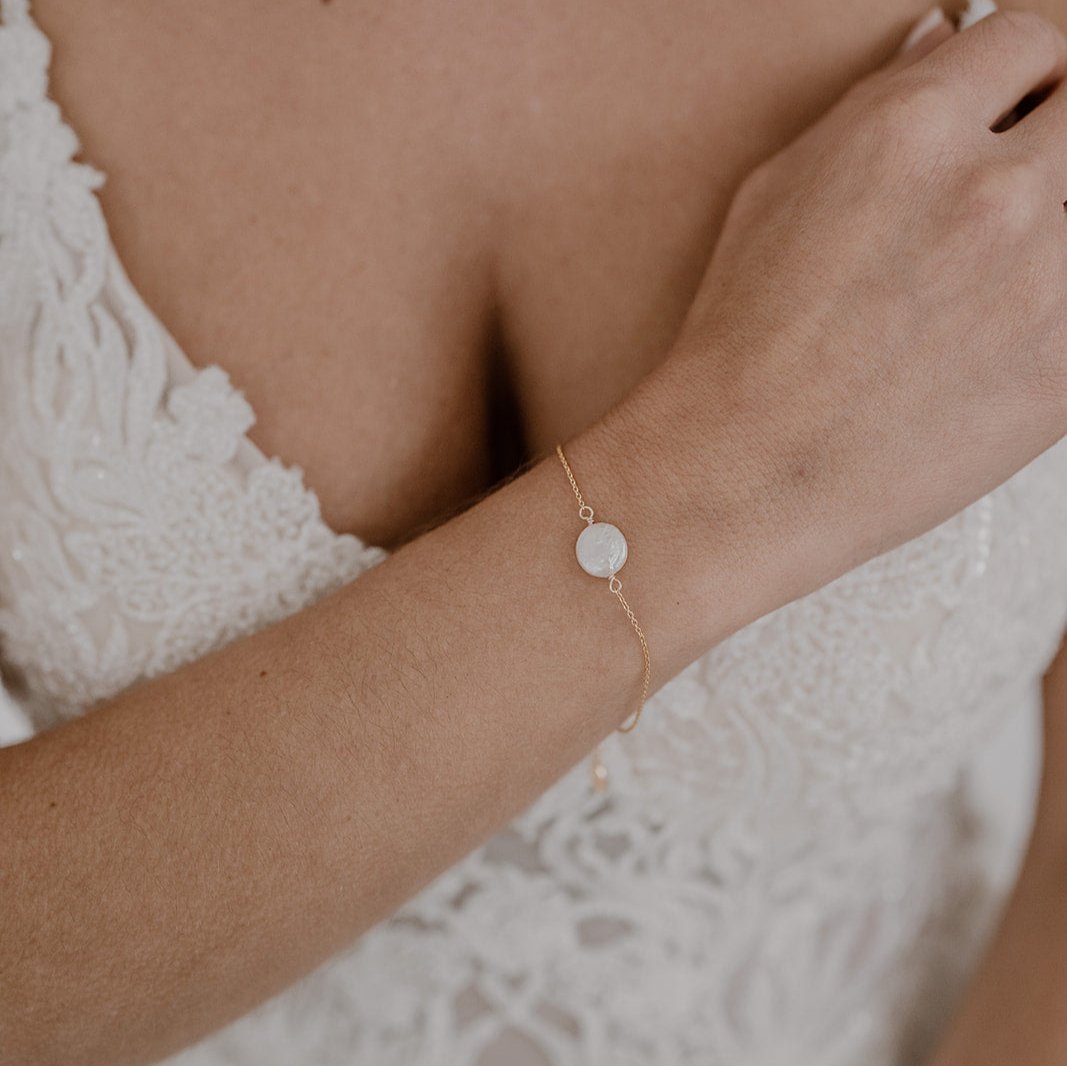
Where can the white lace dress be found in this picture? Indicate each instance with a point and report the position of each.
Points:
(785, 872)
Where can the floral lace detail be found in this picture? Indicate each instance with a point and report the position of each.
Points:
(785, 870)
(140, 527)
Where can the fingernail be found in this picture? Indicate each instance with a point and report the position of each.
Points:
(930, 21)
(976, 11)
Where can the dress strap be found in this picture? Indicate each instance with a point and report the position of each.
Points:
(25, 56)
(14, 11)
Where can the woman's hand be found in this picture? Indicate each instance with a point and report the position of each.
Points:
(884, 316)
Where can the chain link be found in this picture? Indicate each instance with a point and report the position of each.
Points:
(585, 512)
(616, 586)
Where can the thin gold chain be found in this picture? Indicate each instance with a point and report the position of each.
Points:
(585, 512)
(574, 484)
(616, 586)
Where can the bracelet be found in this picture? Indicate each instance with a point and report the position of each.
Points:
(601, 551)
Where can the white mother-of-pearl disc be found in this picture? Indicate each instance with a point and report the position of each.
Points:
(601, 549)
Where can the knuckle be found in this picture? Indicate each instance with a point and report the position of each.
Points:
(1027, 29)
(1005, 197)
(912, 111)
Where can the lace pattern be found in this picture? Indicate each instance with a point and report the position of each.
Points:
(140, 528)
(785, 869)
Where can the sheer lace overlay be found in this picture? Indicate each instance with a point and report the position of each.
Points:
(786, 870)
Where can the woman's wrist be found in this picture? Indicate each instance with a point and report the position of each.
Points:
(710, 520)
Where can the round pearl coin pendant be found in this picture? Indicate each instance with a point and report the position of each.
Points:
(601, 549)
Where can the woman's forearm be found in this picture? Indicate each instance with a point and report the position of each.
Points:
(201, 840)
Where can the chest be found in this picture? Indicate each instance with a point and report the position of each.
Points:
(412, 232)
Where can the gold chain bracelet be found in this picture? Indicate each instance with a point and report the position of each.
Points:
(601, 551)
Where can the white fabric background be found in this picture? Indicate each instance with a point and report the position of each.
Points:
(13, 724)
